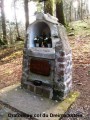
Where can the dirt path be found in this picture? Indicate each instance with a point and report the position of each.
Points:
(10, 67)
(81, 77)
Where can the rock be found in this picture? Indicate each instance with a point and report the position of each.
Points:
(71, 28)
(71, 34)
(79, 84)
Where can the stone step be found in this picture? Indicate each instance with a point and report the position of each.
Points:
(39, 90)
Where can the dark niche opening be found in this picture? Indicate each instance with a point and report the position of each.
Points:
(40, 35)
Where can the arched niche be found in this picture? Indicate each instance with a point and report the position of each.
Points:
(37, 29)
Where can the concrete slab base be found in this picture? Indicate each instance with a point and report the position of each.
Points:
(38, 107)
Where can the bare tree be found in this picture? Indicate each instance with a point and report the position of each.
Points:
(17, 28)
(3, 21)
(26, 13)
(81, 9)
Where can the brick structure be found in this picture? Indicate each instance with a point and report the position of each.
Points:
(55, 80)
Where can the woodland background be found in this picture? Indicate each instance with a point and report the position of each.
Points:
(15, 15)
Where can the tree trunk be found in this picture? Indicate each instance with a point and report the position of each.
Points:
(26, 13)
(10, 34)
(59, 12)
(3, 21)
(87, 9)
(70, 11)
(81, 10)
(49, 7)
(18, 35)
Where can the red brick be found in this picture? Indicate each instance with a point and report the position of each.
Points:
(31, 88)
(61, 65)
(39, 90)
(60, 59)
(46, 92)
(62, 53)
(61, 73)
(39, 66)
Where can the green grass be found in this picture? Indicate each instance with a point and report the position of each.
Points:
(80, 28)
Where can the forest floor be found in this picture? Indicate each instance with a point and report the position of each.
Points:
(11, 69)
(80, 44)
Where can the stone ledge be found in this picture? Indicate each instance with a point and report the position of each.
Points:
(48, 53)
(27, 103)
